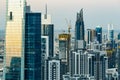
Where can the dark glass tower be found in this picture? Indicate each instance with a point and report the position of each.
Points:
(99, 34)
(79, 26)
(32, 51)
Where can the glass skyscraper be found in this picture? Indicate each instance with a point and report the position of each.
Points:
(14, 39)
(32, 51)
(79, 26)
(99, 34)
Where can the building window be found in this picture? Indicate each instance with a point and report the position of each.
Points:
(11, 16)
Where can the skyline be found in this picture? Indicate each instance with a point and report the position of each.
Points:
(96, 13)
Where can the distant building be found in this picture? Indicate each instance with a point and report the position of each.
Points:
(64, 48)
(110, 32)
(79, 63)
(119, 36)
(91, 35)
(118, 51)
(79, 28)
(52, 69)
(44, 53)
(99, 34)
(48, 30)
(100, 66)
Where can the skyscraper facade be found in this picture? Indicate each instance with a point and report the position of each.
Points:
(48, 30)
(79, 63)
(32, 51)
(79, 26)
(99, 34)
(14, 39)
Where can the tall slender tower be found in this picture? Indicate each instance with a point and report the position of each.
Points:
(79, 26)
(14, 39)
(79, 30)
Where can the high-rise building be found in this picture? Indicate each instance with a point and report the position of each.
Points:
(64, 48)
(118, 59)
(99, 34)
(91, 35)
(100, 66)
(110, 32)
(14, 39)
(44, 53)
(79, 63)
(79, 28)
(48, 30)
(32, 47)
(119, 36)
(52, 69)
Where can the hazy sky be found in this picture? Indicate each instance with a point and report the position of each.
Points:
(96, 12)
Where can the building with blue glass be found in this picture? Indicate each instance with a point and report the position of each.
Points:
(79, 26)
(99, 34)
(32, 47)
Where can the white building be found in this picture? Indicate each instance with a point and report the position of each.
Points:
(52, 69)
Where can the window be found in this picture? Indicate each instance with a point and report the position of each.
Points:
(11, 16)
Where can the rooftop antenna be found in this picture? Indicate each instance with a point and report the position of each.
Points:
(46, 11)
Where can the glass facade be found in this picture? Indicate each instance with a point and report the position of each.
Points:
(99, 34)
(48, 30)
(32, 57)
(79, 26)
(14, 39)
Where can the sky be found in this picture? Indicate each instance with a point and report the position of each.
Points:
(96, 12)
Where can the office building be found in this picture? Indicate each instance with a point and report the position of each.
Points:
(14, 44)
(79, 63)
(119, 36)
(99, 34)
(110, 32)
(48, 30)
(100, 65)
(52, 69)
(32, 51)
(91, 35)
(44, 53)
(118, 59)
(79, 28)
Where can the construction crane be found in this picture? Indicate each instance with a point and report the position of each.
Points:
(69, 25)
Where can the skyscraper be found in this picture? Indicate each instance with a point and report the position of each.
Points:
(119, 36)
(32, 51)
(99, 34)
(79, 30)
(48, 30)
(79, 26)
(110, 32)
(14, 39)
(79, 63)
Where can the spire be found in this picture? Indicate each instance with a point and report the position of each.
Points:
(46, 11)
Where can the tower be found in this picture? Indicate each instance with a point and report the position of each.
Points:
(79, 26)
(14, 44)
(79, 29)
(48, 30)
(32, 51)
(99, 34)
